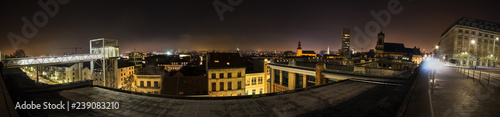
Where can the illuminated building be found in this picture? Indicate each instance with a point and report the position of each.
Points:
(395, 52)
(63, 73)
(256, 77)
(346, 41)
(470, 41)
(305, 52)
(255, 83)
(125, 72)
(174, 65)
(136, 59)
(226, 74)
(149, 80)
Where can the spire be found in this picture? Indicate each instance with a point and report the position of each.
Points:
(328, 50)
(299, 47)
(381, 33)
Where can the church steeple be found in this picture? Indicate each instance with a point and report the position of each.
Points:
(299, 47)
(299, 50)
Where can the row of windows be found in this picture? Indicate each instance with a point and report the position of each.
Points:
(253, 91)
(221, 75)
(221, 86)
(474, 33)
(149, 84)
(253, 81)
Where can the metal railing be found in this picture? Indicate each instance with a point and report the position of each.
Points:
(479, 75)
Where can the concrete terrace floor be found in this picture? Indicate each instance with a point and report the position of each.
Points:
(322, 99)
(453, 95)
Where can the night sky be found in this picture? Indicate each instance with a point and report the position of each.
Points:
(158, 25)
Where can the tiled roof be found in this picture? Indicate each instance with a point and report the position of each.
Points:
(225, 60)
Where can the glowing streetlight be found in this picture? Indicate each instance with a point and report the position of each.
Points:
(473, 41)
(437, 47)
(493, 59)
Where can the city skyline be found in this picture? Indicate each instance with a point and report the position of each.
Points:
(157, 26)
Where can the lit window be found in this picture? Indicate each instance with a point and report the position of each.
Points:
(227, 63)
(216, 61)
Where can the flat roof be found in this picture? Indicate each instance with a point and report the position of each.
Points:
(286, 103)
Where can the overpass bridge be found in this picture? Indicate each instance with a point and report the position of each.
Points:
(52, 60)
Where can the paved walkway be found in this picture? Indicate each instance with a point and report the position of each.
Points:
(453, 94)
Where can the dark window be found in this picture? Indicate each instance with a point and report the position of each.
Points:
(229, 75)
(473, 32)
(221, 86)
(214, 86)
(254, 81)
(460, 30)
(142, 83)
(285, 78)
(149, 83)
(239, 74)
(229, 86)
(213, 75)
(156, 84)
(277, 76)
(260, 80)
(299, 80)
(466, 32)
(221, 75)
(239, 84)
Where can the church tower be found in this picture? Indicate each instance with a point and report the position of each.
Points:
(299, 50)
(380, 45)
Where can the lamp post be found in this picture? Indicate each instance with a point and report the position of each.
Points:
(473, 42)
(493, 58)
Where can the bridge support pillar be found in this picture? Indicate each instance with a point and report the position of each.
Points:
(320, 78)
(291, 81)
(304, 81)
(271, 83)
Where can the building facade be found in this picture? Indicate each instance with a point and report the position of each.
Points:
(136, 59)
(149, 80)
(226, 74)
(255, 83)
(470, 41)
(125, 73)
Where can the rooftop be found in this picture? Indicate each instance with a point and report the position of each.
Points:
(291, 103)
(225, 60)
(149, 71)
(477, 23)
(308, 52)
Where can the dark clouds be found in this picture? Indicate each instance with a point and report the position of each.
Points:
(254, 24)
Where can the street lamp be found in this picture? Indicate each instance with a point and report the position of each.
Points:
(493, 58)
(473, 42)
(437, 47)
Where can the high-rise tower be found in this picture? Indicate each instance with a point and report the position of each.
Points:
(346, 41)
